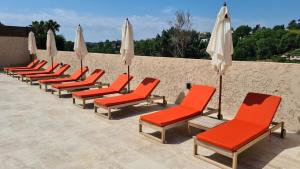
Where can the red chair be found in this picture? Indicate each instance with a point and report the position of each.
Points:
(29, 66)
(87, 83)
(141, 94)
(192, 106)
(35, 68)
(116, 87)
(46, 71)
(59, 73)
(74, 77)
(252, 123)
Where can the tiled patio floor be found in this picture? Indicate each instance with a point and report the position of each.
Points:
(39, 130)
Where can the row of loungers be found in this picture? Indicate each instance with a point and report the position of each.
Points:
(252, 123)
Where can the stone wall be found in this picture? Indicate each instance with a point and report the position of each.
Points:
(13, 51)
(272, 78)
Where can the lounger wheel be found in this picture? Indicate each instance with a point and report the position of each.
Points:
(283, 133)
(165, 103)
(220, 116)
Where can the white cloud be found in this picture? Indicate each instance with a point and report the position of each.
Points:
(96, 28)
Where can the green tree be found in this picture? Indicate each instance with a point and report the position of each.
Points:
(240, 32)
(40, 29)
(69, 46)
(279, 27)
(294, 24)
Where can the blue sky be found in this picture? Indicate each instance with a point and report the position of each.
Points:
(102, 19)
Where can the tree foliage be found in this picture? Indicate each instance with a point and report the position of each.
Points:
(180, 40)
(40, 29)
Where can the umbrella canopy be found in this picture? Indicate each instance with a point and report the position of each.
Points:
(51, 45)
(127, 46)
(80, 46)
(32, 44)
(220, 46)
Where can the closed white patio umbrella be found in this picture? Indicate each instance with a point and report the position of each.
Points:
(127, 46)
(220, 47)
(80, 46)
(51, 45)
(32, 44)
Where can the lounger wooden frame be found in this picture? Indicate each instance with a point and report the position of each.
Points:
(87, 98)
(95, 85)
(234, 155)
(150, 100)
(162, 130)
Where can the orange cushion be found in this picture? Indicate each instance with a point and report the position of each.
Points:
(169, 116)
(58, 80)
(32, 73)
(146, 87)
(87, 82)
(258, 108)
(71, 85)
(78, 73)
(198, 97)
(120, 82)
(94, 92)
(232, 135)
(117, 100)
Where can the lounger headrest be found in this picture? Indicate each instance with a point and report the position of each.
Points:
(62, 69)
(50, 68)
(95, 76)
(121, 82)
(78, 73)
(258, 108)
(146, 87)
(198, 97)
(40, 64)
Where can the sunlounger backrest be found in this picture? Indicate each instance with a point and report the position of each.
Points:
(146, 87)
(198, 97)
(120, 82)
(258, 108)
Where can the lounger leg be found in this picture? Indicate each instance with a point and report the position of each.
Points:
(59, 94)
(163, 136)
(283, 131)
(46, 88)
(234, 160)
(40, 86)
(195, 147)
(83, 104)
(74, 100)
(95, 109)
(109, 114)
(140, 128)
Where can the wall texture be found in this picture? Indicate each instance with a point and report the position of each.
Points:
(13, 51)
(272, 78)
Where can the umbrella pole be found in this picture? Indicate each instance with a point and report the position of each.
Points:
(220, 117)
(52, 62)
(81, 65)
(128, 78)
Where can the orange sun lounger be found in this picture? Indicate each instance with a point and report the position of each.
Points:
(29, 66)
(252, 123)
(46, 71)
(59, 73)
(192, 106)
(116, 87)
(74, 77)
(141, 94)
(89, 82)
(35, 68)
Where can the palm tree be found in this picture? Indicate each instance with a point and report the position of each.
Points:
(53, 25)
